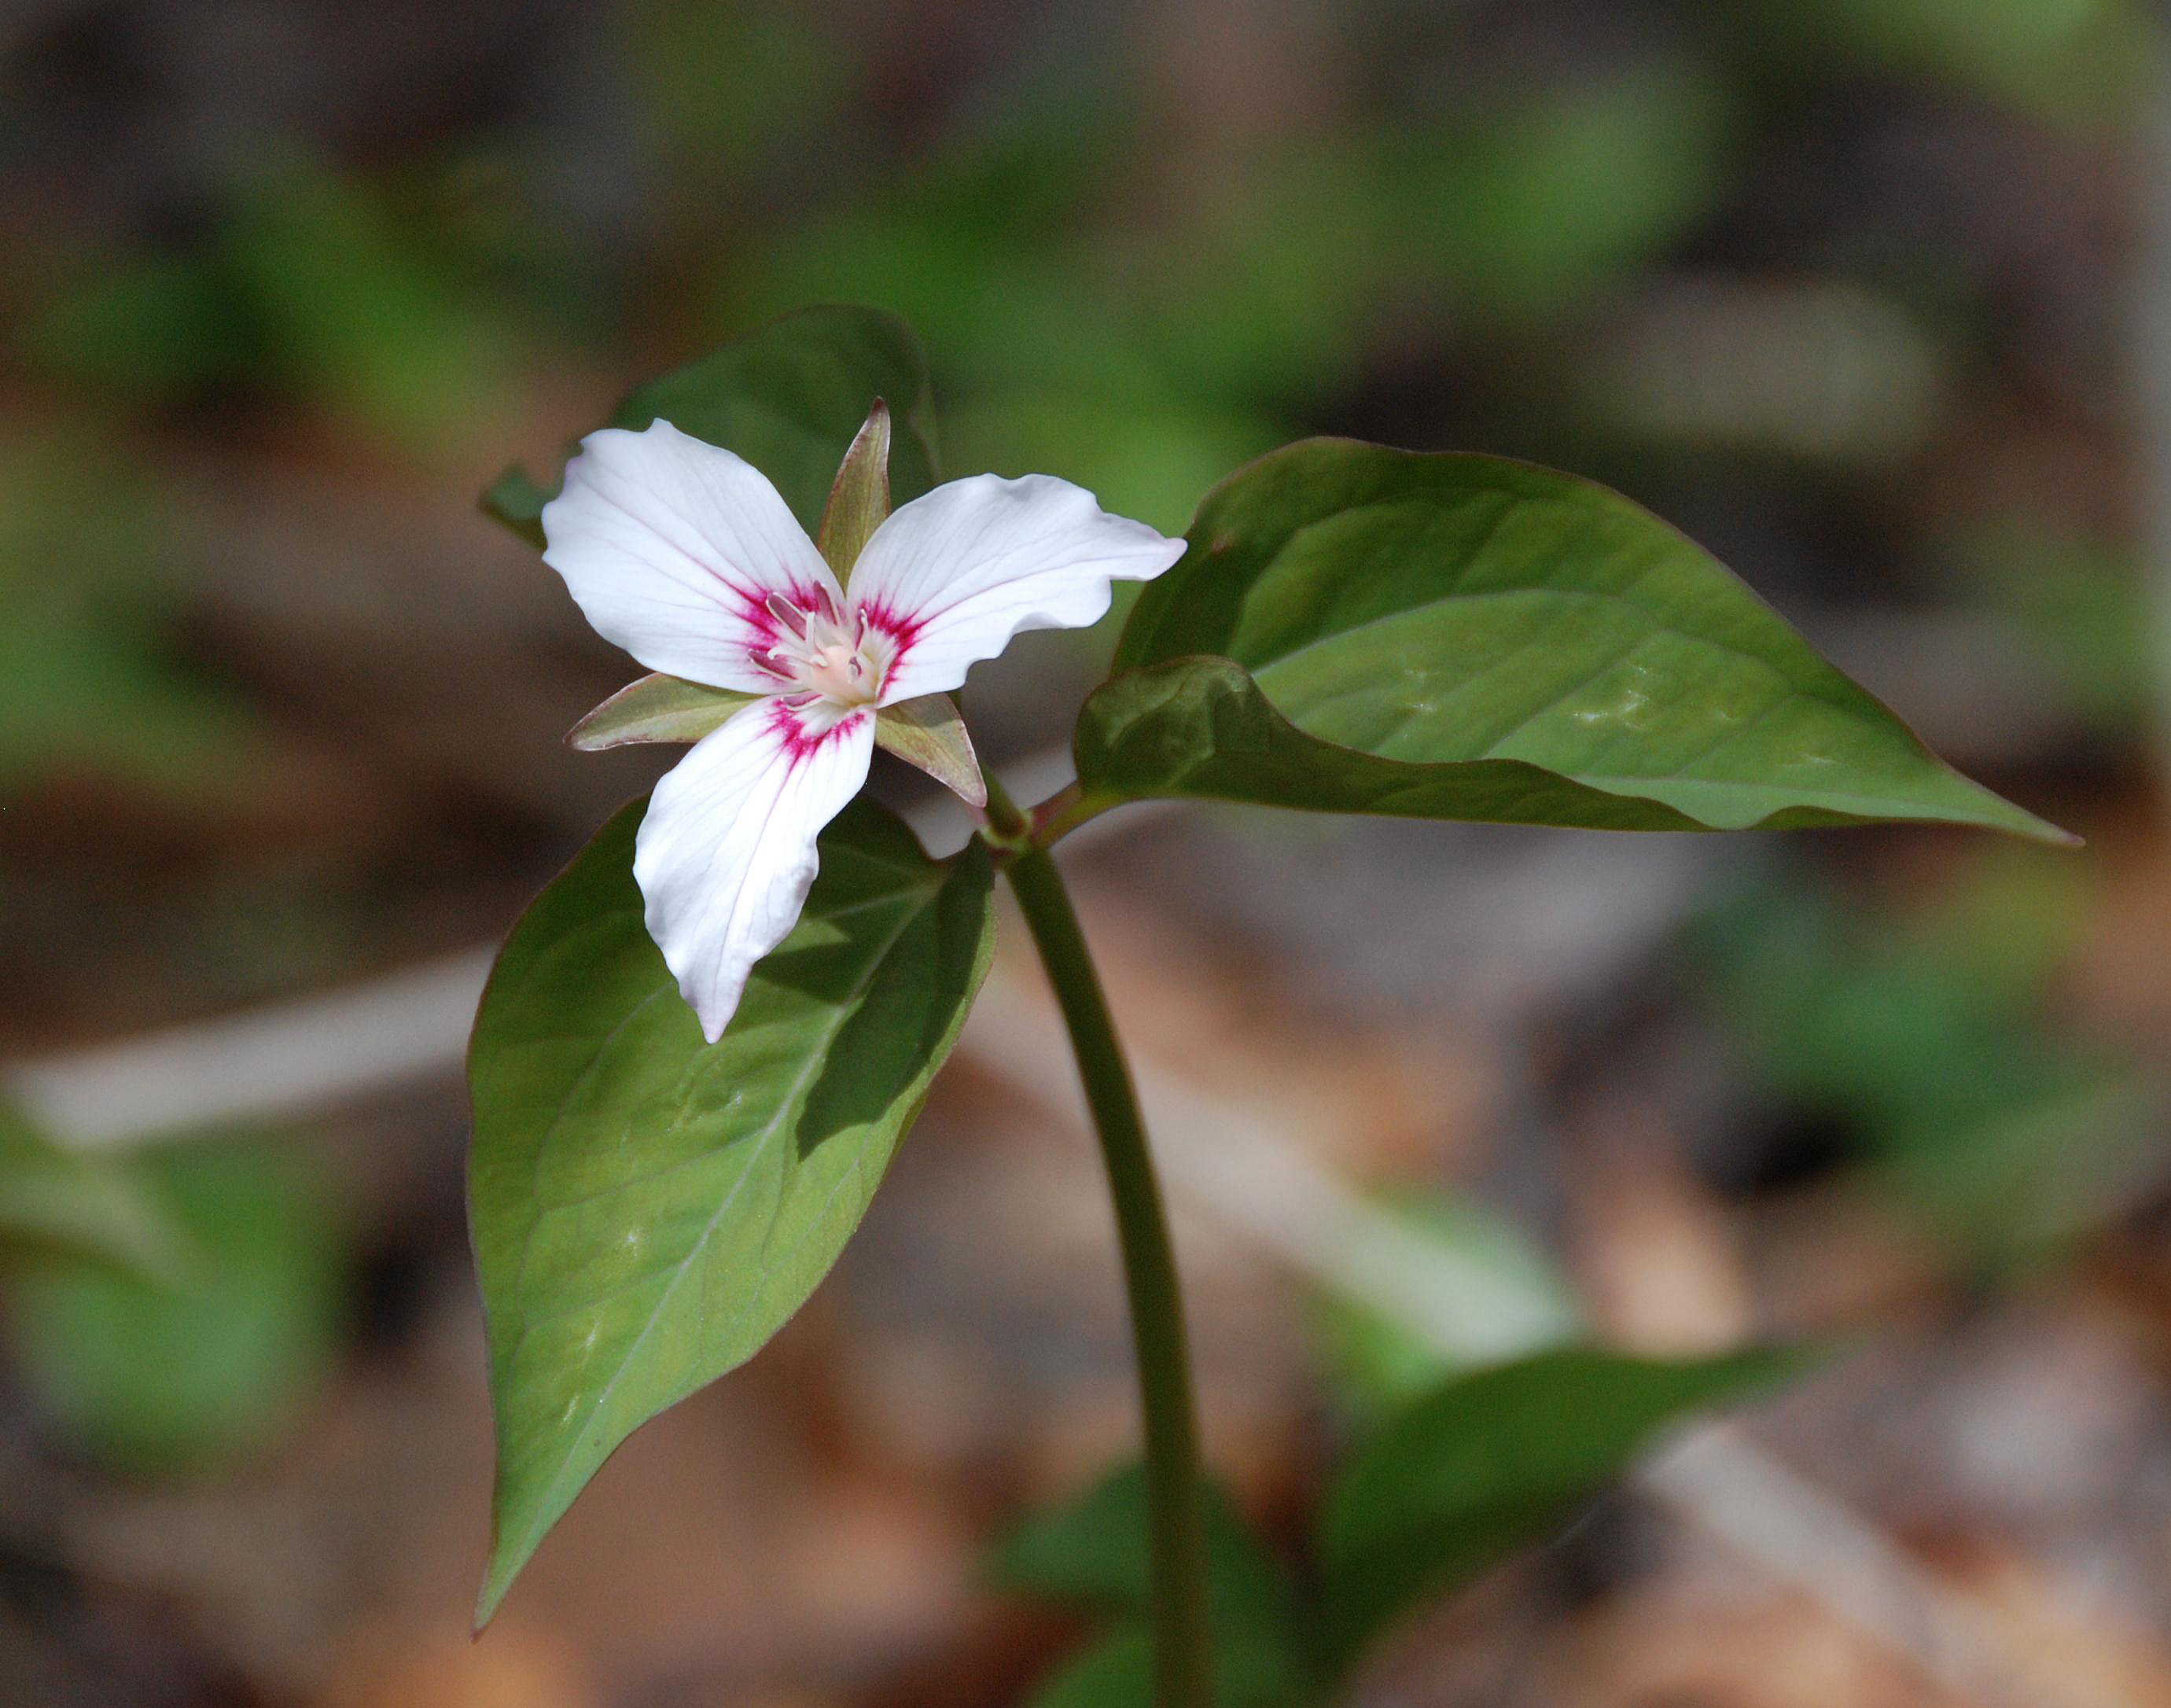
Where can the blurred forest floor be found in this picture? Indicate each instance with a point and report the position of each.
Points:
(1849, 292)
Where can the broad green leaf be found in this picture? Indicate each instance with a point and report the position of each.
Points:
(54, 1200)
(1486, 1463)
(1356, 629)
(789, 397)
(1096, 1554)
(656, 709)
(648, 1209)
(196, 1367)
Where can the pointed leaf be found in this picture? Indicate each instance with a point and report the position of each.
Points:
(1356, 629)
(789, 397)
(1488, 1462)
(929, 732)
(648, 1209)
(657, 708)
(859, 501)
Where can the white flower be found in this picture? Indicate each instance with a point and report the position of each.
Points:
(685, 555)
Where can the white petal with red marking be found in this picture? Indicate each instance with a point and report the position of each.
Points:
(951, 576)
(672, 547)
(725, 855)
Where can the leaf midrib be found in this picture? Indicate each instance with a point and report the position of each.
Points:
(759, 1144)
(1658, 625)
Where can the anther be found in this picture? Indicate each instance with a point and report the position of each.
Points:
(787, 614)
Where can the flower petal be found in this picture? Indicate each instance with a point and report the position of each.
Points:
(951, 576)
(726, 854)
(671, 547)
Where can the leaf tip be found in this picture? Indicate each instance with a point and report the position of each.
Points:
(505, 1566)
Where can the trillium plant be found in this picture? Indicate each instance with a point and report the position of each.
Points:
(703, 1043)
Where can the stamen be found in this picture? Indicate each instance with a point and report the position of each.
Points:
(788, 614)
(774, 662)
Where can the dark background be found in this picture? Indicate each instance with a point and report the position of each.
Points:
(1871, 297)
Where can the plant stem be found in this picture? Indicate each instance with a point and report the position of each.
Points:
(1183, 1659)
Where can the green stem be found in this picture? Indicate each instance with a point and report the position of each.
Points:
(1182, 1660)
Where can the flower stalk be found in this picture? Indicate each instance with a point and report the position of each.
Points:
(1182, 1635)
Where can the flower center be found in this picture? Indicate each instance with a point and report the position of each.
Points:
(817, 652)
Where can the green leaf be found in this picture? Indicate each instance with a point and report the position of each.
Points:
(789, 397)
(1096, 1554)
(1356, 629)
(648, 1209)
(1486, 1463)
(198, 1367)
(55, 1200)
(656, 709)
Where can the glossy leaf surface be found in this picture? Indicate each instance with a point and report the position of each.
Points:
(649, 1208)
(1357, 629)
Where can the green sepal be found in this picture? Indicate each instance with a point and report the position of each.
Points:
(657, 708)
(929, 732)
(859, 501)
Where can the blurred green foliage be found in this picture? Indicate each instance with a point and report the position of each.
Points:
(1469, 1468)
(2070, 61)
(311, 284)
(90, 679)
(1092, 1554)
(1376, 1363)
(1925, 1033)
(188, 1370)
(2078, 607)
(60, 1202)
(1490, 1461)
